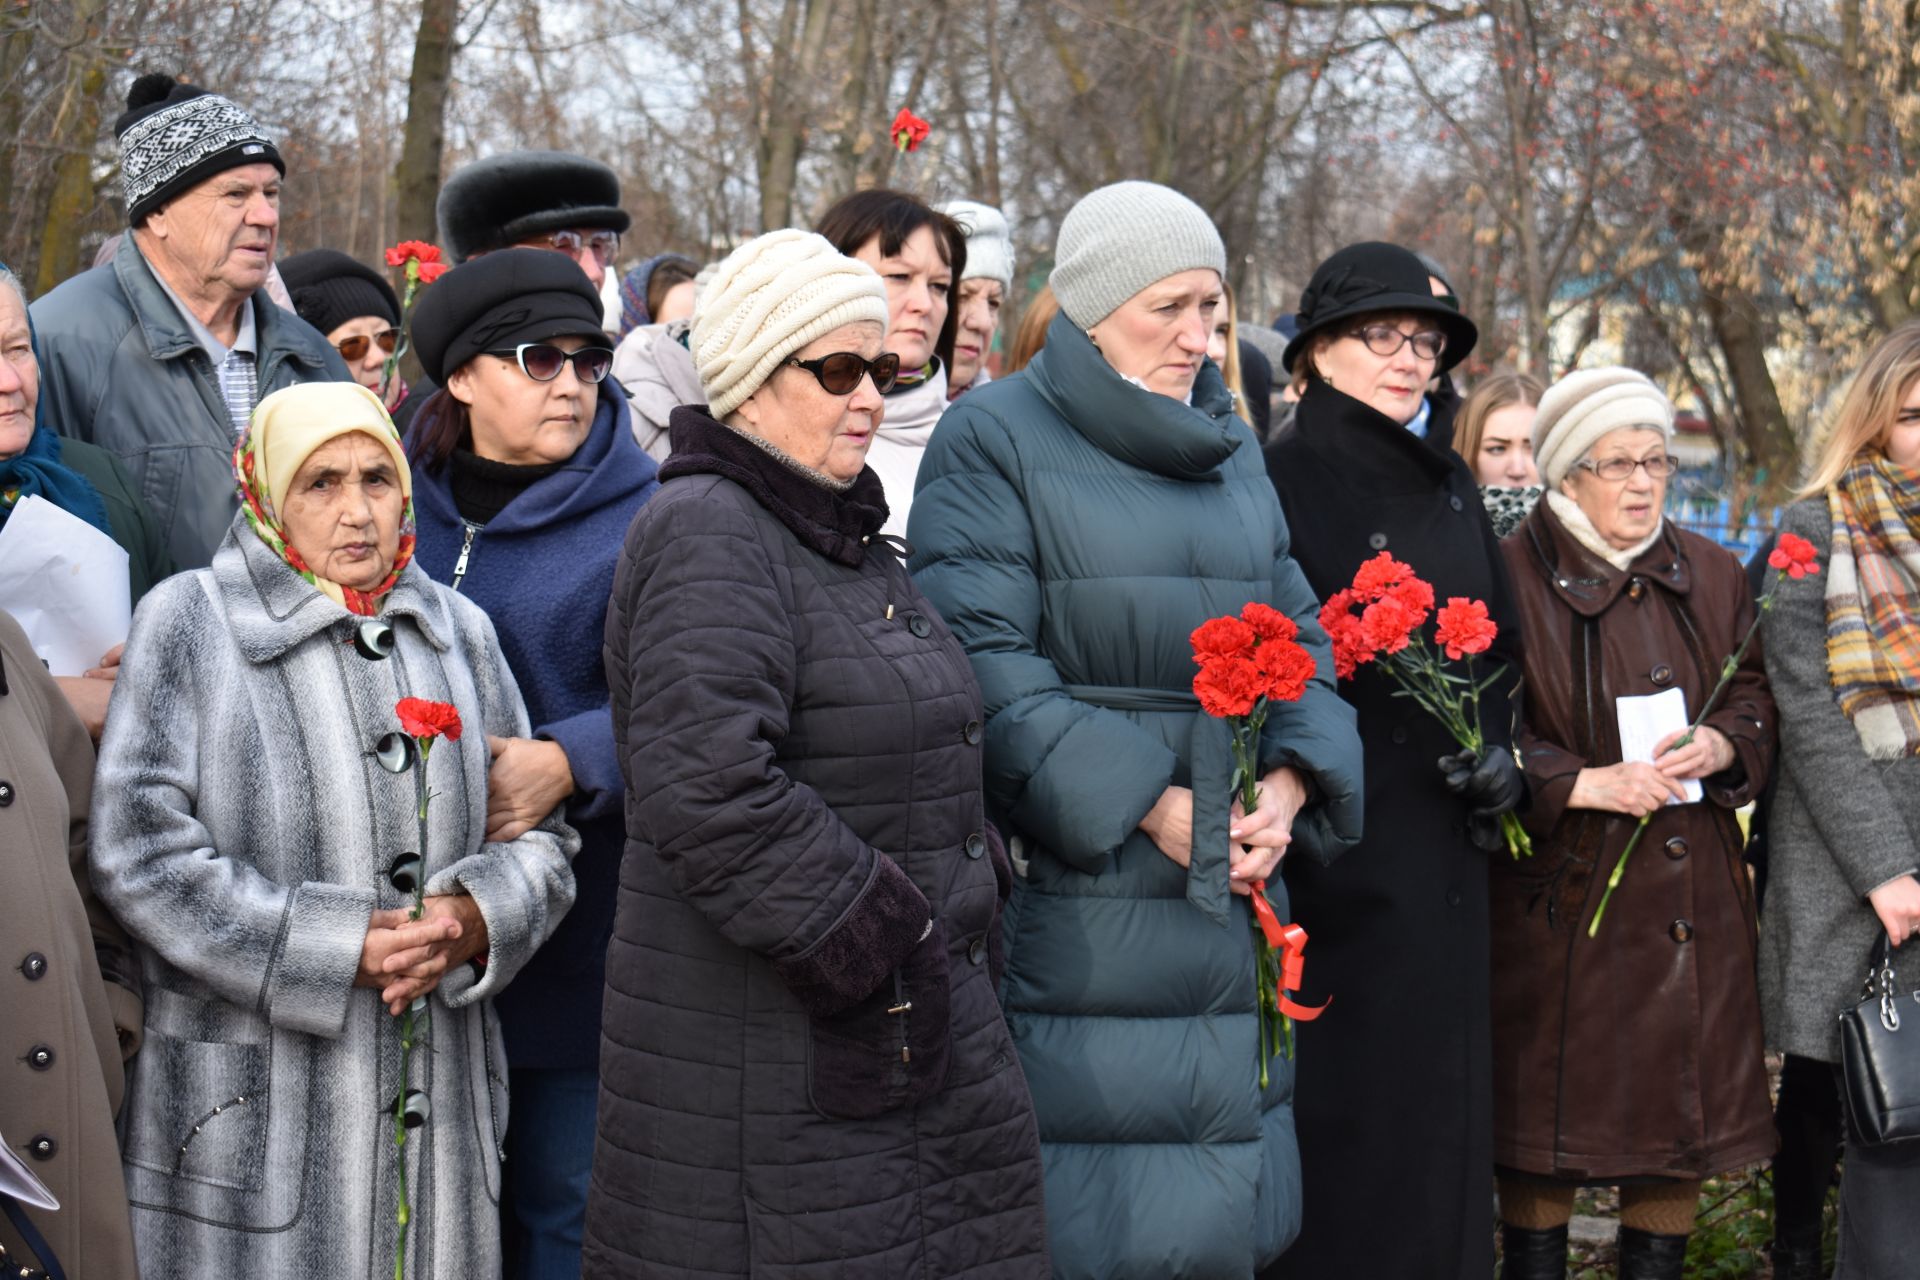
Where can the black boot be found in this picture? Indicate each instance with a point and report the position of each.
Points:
(1533, 1255)
(1796, 1256)
(1646, 1256)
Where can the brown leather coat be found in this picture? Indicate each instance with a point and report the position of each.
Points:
(1636, 1053)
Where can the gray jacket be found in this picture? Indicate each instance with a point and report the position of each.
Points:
(1841, 826)
(242, 832)
(120, 368)
(657, 371)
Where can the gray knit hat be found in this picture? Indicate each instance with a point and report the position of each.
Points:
(1584, 406)
(1118, 240)
(989, 242)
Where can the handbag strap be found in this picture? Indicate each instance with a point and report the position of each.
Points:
(34, 1240)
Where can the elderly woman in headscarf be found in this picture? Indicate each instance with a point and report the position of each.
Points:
(255, 828)
(1631, 1057)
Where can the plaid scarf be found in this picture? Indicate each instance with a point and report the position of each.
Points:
(1873, 604)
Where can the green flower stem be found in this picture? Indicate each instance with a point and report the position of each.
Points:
(400, 349)
(403, 1213)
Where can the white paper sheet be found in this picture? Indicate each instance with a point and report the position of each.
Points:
(65, 583)
(1646, 720)
(22, 1183)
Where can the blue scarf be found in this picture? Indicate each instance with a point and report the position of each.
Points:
(39, 471)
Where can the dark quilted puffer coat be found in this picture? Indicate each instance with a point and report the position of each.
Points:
(1074, 529)
(804, 1072)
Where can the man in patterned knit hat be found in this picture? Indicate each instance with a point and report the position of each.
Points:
(160, 355)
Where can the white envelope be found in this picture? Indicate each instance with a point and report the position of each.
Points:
(65, 583)
(1646, 720)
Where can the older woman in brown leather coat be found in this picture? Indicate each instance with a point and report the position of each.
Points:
(1633, 1057)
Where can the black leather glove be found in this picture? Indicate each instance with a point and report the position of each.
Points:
(1490, 782)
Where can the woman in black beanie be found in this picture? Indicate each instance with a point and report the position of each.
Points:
(354, 306)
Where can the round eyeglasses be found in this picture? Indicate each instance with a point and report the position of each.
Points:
(840, 373)
(542, 361)
(1661, 466)
(1386, 340)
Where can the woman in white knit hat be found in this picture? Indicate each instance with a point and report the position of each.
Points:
(1076, 522)
(984, 285)
(1632, 1057)
(806, 1073)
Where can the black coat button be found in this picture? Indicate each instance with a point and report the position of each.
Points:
(1453, 897)
(41, 1147)
(1636, 588)
(1680, 931)
(971, 734)
(1378, 541)
(1662, 674)
(976, 845)
(1399, 734)
(918, 624)
(34, 966)
(6, 794)
(40, 1058)
(977, 950)
(1676, 848)
(1455, 503)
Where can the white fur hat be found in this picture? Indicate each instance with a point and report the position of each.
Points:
(1583, 406)
(770, 297)
(989, 241)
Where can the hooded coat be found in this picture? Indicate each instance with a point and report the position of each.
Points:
(656, 370)
(1074, 529)
(1400, 1068)
(805, 1073)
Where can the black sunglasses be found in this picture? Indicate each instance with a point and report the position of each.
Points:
(353, 348)
(839, 374)
(542, 361)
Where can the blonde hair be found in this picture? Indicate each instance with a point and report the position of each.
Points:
(1230, 367)
(1871, 406)
(1488, 397)
(1032, 333)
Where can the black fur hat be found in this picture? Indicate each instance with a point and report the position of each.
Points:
(501, 200)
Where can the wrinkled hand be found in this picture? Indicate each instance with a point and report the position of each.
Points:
(1169, 824)
(1633, 789)
(1268, 830)
(109, 667)
(89, 694)
(1897, 903)
(1708, 753)
(471, 941)
(527, 781)
(403, 959)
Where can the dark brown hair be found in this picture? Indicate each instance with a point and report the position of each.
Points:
(439, 427)
(892, 216)
(668, 274)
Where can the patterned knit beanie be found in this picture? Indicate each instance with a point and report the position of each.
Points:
(1121, 238)
(1580, 408)
(772, 296)
(174, 136)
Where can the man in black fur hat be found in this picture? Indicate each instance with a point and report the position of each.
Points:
(160, 355)
(537, 199)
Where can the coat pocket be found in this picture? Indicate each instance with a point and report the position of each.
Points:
(198, 1110)
(891, 1050)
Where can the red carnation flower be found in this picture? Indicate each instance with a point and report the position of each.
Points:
(908, 130)
(1376, 577)
(1284, 669)
(1464, 627)
(1387, 625)
(1795, 556)
(431, 271)
(418, 250)
(428, 720)
(1221, 639)
(1416, 595)
(1228, 687)
(1269, 623)
(1343, 629)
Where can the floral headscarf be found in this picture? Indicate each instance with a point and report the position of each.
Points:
(285, 429)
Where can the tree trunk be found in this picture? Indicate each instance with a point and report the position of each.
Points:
(416, 179)
(13, 58)
(74, 129)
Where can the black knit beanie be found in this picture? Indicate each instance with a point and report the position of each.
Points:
(329, 288)
(174, 136)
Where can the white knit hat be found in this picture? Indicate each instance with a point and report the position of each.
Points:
(1121, 238)
(1583, 406)
(989, 241)
(770, 297)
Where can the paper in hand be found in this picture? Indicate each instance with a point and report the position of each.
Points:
(1644, 721)
(65, 583)
(21, 1183)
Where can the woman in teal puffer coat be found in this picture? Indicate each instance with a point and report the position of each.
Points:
(1074, 523)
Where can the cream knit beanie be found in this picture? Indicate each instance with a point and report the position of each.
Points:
(1583, 406)
(770, 297)
(1121, 238)
(989, 242)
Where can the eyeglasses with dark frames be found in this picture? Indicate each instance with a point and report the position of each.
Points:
(1660, 466)
(354, 348)
(542, 361)
(839, 374)
(1386, 340)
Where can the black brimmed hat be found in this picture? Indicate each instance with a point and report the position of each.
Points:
(1370, 278)
(500, 300)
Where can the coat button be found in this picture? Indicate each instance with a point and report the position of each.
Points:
(41, 1147)
(6, 794)
(34, 966)
(1399, 734)
(1661, 675)
(1453, 897)
(977, 950)
(1680, 931)
(971, 734)
(1676, 848)
(1455, 503)
(40, 1058)
(918, 624)
(1636, 588)
(1378, 541)
(976, 845)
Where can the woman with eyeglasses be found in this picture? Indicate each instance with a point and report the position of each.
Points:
(355, 307)
(1632, 1057)
(1395, 1082)
(528, 477)
(806, 1070)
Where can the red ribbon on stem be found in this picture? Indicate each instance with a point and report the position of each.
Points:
(1290, 940)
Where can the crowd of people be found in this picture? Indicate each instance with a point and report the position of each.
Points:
(825, 867)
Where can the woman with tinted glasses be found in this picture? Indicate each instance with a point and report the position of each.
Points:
(356, 308)
(1399, 925)
(920, 253)
(528, 476)
(807, 1073)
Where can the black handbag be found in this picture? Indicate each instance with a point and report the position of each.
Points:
(1880, 1056)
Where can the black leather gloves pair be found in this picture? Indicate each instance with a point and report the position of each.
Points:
(1491, 784)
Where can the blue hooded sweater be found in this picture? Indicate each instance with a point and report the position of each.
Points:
(543, 571)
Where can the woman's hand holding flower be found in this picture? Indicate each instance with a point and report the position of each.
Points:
(403, 959)
(1268, 830)
(1709, 753)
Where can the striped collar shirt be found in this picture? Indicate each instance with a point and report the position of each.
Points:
(233, 367)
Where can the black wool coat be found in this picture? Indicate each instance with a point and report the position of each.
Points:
(804, 1071)
(1394, 1092)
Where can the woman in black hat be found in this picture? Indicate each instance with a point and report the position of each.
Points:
(526, 477)
(1395, 1117)
(356, 308)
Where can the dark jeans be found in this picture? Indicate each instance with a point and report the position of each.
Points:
(549, 1161)
(1879, 1211)
(1807, 1119)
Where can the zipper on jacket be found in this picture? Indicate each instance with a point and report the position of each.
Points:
(466, 553)
(899, 1009)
